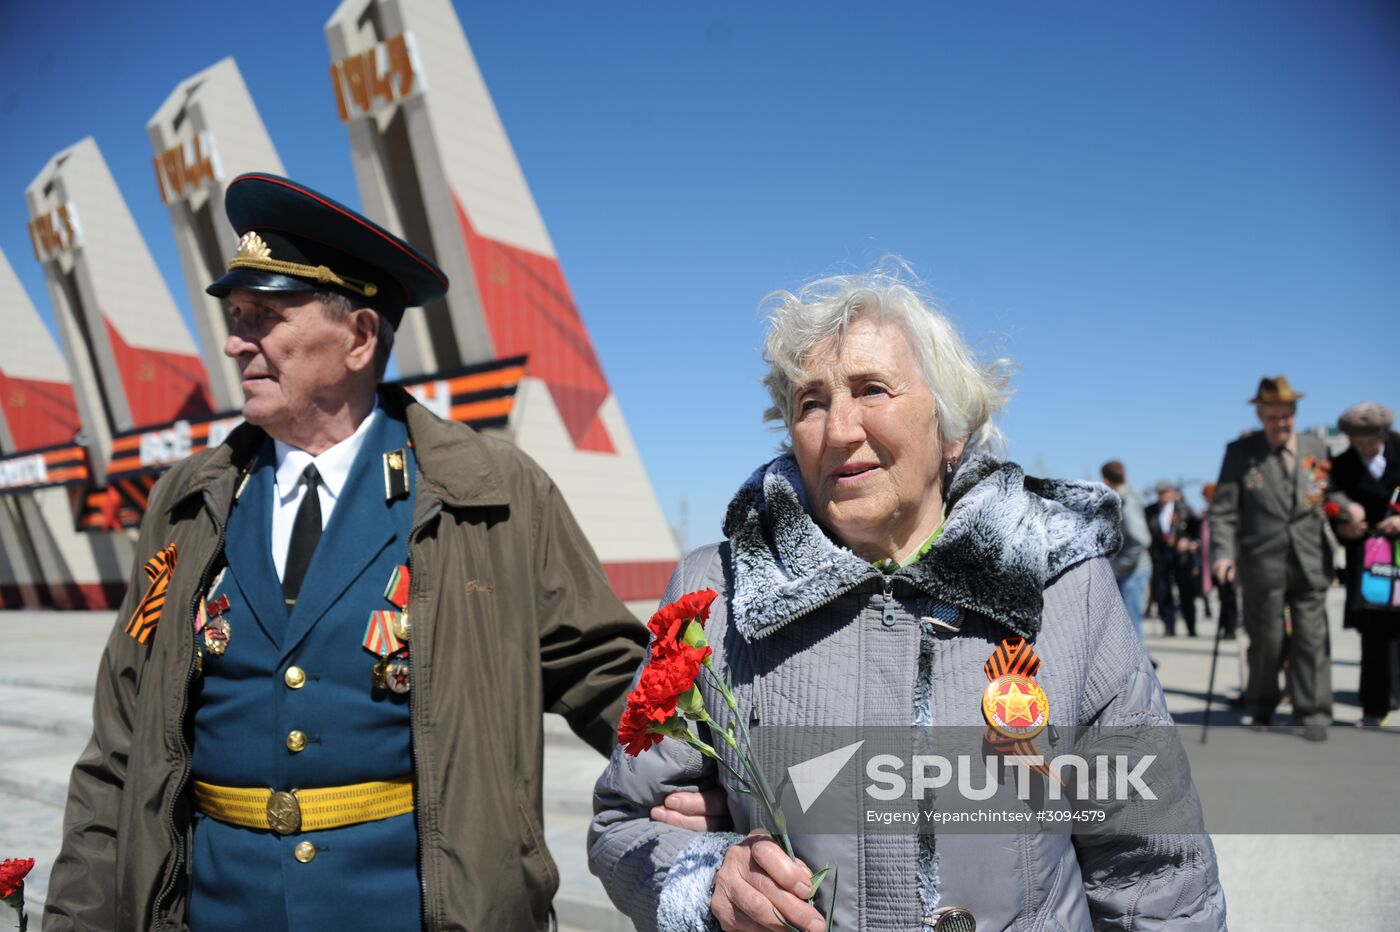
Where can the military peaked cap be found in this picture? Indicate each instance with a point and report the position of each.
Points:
(295, 239)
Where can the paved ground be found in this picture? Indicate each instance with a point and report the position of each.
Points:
(1271, 881)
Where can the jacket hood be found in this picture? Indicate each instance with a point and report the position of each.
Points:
(1005, 538)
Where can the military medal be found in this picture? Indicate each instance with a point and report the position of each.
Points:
(1014, 704)
(386, 637)
(397, 676)
(381, 641)
(216, 636)
(201, 618)
(397, 593)
(216, 627)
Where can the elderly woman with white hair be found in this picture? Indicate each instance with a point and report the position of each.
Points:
(867, 577)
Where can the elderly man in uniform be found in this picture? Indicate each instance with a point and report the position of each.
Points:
(1267, 528)
(321, 706)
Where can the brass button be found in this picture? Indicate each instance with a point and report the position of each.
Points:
(296, 741)
(305, 851)
(295, 677)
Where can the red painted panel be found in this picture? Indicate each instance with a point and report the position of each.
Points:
(21, 595)
(88, 596)
(529, 311)
(639, 579)
(160, 386)
(67, 596)
(40, 413)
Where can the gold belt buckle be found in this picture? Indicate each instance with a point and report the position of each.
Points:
(284, 812)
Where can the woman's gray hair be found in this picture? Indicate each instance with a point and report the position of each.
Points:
(338, 306)
(968, 393)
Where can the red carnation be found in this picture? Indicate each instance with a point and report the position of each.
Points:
(12, 873)
(1331, 509)
(670, 620)
(670, 672)
(651, 707)
(633, 731)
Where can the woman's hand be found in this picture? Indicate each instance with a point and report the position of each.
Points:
(702, 811)
(757, 883)
(1390, 526)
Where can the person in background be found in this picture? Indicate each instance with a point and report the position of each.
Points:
(1176, 532)
(1365, 488)
(1268, 531)
(1132, 565)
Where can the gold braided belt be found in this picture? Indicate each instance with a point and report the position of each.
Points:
(288, 813)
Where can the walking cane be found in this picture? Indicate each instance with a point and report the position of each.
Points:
(1210, 687)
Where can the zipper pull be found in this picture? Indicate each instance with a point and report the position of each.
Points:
(887, 619)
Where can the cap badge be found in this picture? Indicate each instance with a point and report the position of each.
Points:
(251, 246)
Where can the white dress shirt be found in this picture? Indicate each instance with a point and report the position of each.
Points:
(1164, 517)
(1376, 465)
(289, 487)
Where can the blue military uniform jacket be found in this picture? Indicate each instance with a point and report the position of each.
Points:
(303, 668)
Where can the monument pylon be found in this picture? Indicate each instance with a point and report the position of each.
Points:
(206, 133)
(133, 362)
(434, 164)
(44, 560)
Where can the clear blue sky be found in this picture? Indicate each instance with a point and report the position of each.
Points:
(1148, 204)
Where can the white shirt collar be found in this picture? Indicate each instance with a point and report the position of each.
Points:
(1376, 465)
(333, 464)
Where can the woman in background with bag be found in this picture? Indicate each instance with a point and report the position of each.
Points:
(1364, 505)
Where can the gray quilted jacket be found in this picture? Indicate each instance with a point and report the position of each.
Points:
(812, 635)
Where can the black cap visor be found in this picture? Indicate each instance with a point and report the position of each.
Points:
(254, 280)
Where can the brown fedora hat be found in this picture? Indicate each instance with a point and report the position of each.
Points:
(1274, 390)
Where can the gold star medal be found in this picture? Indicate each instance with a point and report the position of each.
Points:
(1014, 704)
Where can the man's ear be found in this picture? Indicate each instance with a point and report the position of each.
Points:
(364, 338)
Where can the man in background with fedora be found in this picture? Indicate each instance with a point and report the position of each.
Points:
(1267, 526)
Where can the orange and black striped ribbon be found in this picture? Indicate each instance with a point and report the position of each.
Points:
(159, 569)
(1013, 655)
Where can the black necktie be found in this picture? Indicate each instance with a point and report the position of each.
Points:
(306, 532)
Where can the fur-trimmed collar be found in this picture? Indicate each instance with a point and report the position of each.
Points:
(1006, 537)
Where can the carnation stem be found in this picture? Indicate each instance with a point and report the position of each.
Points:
(746, 757)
